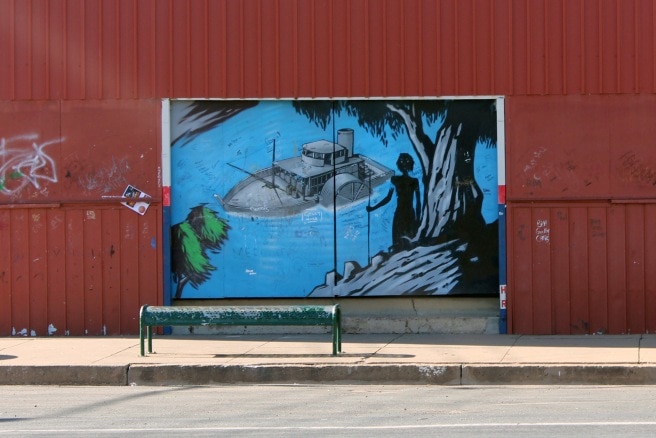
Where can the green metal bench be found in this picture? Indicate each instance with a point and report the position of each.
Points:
(152, 316)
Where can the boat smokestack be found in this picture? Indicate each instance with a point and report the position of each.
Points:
(345, 138)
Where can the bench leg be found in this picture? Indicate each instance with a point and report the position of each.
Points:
(150, 339)
(141, 340)
(337, 334)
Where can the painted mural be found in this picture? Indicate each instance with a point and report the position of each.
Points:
(321, 198)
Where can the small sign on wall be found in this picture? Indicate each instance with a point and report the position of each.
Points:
(137, 206)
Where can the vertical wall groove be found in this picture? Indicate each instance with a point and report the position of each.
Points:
(206, 52)
(653, 42)
(595, 265)
(189, 51)
(12, 49)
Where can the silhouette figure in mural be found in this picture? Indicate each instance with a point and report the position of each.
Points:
(408, 205)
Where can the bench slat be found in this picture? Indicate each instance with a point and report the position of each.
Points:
(233, 315)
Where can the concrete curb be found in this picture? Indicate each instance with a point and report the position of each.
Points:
(64, 375)
(229, 374)
(556, 374)
(413, 374)
(389, 374)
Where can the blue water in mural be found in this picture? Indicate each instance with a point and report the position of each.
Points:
(289, 256)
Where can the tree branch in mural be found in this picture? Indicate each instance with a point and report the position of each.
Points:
(202, 231)
(451, 204)
(197, 117)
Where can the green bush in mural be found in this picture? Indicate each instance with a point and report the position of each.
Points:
(202, 231)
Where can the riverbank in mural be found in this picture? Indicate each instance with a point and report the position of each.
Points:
(333, 198)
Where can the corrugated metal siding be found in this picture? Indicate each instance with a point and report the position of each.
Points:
(119, 49)
(581, 202)
(75, 151)
(581, 147)
(125, 52)
(73, 256)
(578, 268)
(81, 270)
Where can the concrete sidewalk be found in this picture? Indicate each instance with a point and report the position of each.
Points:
(306, 358)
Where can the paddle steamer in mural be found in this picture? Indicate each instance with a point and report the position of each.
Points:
(326, 173)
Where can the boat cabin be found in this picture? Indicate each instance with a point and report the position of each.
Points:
(324, 153)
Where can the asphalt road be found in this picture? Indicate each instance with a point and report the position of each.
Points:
(325, 411)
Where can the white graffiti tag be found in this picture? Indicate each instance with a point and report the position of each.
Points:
(24, 162)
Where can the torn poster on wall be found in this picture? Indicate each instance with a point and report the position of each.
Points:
(138, 206)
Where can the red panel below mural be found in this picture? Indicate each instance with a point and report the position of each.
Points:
(65, 267)
(581, 268)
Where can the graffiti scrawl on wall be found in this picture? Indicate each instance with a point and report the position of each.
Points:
(24, 162)
(334, 198)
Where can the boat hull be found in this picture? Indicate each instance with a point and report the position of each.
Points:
(269, 193)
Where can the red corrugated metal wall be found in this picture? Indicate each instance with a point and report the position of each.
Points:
(125, 49)
(581, 268)
(74, 260)
(56, 51)
(79, 269)
(581, 197)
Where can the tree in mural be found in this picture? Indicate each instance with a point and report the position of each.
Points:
(202, 231)
(196, 117)
(451, 204)
(452, 244)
